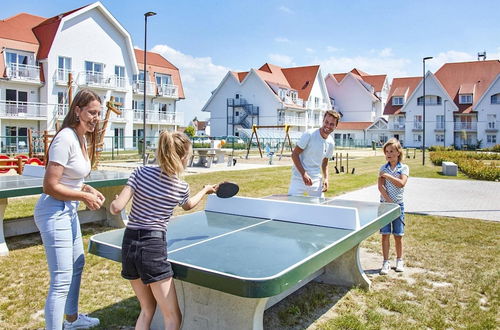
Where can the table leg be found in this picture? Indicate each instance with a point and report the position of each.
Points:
(346, 270)
(204, 308)
(4, 250)
(119, 220)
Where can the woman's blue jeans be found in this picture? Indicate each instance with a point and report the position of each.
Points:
(62, 238)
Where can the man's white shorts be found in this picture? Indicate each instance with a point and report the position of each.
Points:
(298, 188)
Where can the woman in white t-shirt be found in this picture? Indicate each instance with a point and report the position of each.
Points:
(68, 162)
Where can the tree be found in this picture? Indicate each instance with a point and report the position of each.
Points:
(189, 131)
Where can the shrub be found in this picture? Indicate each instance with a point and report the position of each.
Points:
(470, 163)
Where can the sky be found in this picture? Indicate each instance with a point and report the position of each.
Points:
(205, 39)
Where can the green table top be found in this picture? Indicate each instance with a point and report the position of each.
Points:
(254, 257)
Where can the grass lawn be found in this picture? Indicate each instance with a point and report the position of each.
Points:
(451, 279)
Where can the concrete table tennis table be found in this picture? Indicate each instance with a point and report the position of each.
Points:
(107, 182)
(241, 255)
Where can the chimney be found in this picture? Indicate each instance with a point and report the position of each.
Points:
(481, 55)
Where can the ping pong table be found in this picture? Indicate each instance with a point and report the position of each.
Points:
(241, 255)
(109, 183)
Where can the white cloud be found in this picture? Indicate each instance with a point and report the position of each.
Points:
(310, 50)
(281, 60)
(199, 75)
(285, 9)
(386, 52)
(282, 39)
(332, 49)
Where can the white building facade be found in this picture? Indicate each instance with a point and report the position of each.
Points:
(40, 54)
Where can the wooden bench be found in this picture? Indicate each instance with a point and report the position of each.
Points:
(450, 168)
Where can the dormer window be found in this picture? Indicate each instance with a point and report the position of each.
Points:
(429, 100)
(397, 100)
(465, 99)
(282, 94)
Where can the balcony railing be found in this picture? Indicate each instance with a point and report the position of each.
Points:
(439, 126)
(168, 90)
(23, 72)
(99, 80)
(138, 87)
(466, 126)
(292, 120)
(157, 117)
(398, 127)
(24, 110)
(318, 106)
(290, 100)
(417, 125)
(61, 76)
(491, 125)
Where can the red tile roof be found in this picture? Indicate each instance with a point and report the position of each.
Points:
(353, 125)
(157, 63)
(377, 81)
(479, 74)
(19, 27)
(300, 78)
(407, 84)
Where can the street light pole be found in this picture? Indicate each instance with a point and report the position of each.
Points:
(444, 123)
(423, 111)
(146, 15)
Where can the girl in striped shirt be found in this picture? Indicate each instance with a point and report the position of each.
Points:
(156, 191)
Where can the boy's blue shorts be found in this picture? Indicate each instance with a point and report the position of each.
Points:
(396, 227)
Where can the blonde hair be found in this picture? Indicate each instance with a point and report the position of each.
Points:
(394, 143)
(172, 149)
(81, 100)
(332, 113)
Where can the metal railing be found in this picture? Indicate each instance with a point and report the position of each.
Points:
(468, 126)
(138, 87)
(24, 109)
(168, 90)
(158, 117)
(23, 72)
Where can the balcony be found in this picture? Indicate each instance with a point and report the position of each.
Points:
(317, 106)
(397, 127)
(61, 77)
(138, 87)
(295, 101)
(23, 73)
(95, 79)
(418, 126)
(24, 110)
(168, 90)
(292, 120)
(466, 126)
(156, 117)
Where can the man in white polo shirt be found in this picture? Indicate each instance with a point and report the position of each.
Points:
(310, 158)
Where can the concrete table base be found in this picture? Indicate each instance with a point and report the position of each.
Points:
(204, 308)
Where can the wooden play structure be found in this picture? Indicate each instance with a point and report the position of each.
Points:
(111, 106)
(286, 138)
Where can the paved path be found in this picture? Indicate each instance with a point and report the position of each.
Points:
(451, 198)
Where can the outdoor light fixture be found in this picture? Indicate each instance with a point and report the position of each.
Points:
(423, 112)
(146, 15)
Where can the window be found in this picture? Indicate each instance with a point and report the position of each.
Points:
(491, 121)
(93, 72)
(62, 104)
(495, 99)
(137, 105)
(120, 76)
(119, 138)
(397, 100)
(465, 99)
(439, 137)
(163, 79)
(439, 121)
(16, 101)
(429, 100)
(417, 138)
(417, 122)
(63, 68)
(491, 138)
(282, 94)
(316, 102)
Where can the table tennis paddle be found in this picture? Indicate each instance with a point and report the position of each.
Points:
(227, 189)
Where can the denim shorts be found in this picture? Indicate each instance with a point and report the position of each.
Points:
(396, 227)
(144, 255)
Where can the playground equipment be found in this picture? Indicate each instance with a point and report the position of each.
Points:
(286, 138)
(342, 169)
(111, 106)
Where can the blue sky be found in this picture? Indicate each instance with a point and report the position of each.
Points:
(205, 39)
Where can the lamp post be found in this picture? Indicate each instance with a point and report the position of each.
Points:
(423, 111)
(146, 15)
(444, 123)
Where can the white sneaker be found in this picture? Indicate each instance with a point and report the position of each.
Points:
(386, 266)
(400, 265)
(82, 322)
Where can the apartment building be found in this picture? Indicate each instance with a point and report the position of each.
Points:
(38, 55)
(268, 96)
(462, 106)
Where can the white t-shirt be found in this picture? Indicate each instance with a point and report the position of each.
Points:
(315, 150)
(65, 150)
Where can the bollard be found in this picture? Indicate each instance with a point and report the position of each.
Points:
(353, 170)
(347, 163)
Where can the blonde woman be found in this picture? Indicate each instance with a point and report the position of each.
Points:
(157, 190)
(68, 162)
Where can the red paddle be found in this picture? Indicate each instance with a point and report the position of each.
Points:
(227, 189)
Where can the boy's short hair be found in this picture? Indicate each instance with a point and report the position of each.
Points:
(395, 143)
